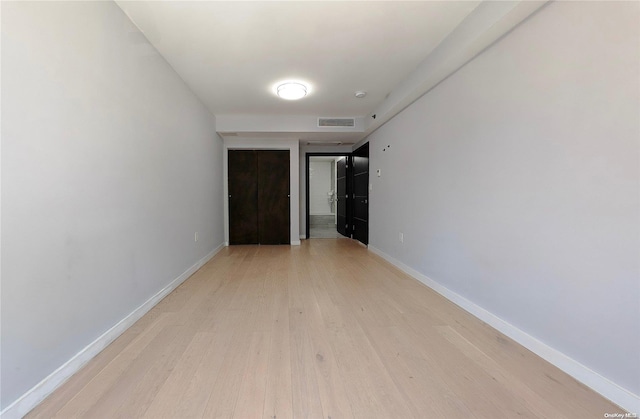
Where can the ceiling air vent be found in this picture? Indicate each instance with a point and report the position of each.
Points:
(336, 122)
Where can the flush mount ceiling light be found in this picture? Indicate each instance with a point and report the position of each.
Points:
(291, 90)
(360, 94)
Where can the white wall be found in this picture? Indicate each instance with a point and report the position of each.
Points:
(516, 183)
(110, 165)
(294, 172)
(320, 183)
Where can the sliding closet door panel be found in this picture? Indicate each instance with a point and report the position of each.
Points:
(243, 197)
(273, 197)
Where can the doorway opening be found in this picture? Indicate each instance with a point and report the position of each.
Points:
(338, 192)
(323, 201)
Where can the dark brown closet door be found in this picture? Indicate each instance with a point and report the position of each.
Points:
(243, 197)
(273, 197)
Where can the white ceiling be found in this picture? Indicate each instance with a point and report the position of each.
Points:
(232, 52)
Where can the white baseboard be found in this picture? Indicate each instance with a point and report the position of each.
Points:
(612, 391)
(40, 391)
(303, 237)
(295, 242)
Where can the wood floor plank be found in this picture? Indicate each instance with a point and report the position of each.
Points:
(223, 395)
(529, 398)
(251, 394)
(373, 396)
(65, 393)
(138, 385)
(109, 376)
(193, 400)
(322, 330)
(278, 395)
(428, 396)
(164, 403)
(305, 392)
(468, 382)
(333, 394)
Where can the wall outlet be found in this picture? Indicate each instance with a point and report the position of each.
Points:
(401, 237)
(196, 236)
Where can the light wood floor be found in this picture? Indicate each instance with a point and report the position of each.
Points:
(323, 330)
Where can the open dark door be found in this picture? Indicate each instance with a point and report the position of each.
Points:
(342, 196)
(361, 194)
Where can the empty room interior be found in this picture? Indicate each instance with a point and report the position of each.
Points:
(310, 209)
